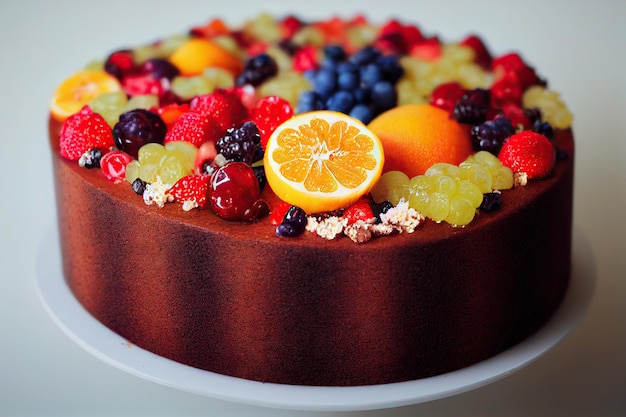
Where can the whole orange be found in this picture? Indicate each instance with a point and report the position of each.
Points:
(416, 136)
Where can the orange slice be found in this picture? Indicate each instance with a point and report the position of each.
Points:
(322, 161)
(78, 90)
(196, 54)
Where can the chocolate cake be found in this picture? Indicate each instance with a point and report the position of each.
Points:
(234, 298)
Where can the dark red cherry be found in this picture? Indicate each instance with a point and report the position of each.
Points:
(234, 193)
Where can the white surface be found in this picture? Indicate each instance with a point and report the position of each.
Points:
(106, 345)
(576, 45)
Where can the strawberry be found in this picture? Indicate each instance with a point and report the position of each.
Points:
(193, 127)
(223, 107)
(268, 114)
(142, 84)
(83, 131)
(482, 56)
(360, 210)
(113, 165)
(528, 152)
(427, 49)
(191, 188)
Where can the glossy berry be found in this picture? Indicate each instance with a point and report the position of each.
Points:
(293, 224)
(445, 96)
(83, 131)
(543, 128)
(137, 127)
(277, 214)
(528, 152)
(224, 108)
(242, 144)
(472, 107)
(490, 135)
(482, 56)
(139, 186)
(257, 69)
(234, 193)
(120, 63)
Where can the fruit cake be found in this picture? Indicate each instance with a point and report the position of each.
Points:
(331, 203)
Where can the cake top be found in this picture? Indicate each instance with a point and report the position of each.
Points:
(339, 127)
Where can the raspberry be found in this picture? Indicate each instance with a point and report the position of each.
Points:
(360, 211)
(268, 114)
(445, 96)
(482, 56)
(528, 152)
(82, 132)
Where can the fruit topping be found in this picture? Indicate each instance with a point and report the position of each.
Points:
(82, 132)
(137, 127)
(197, 54)
(472, 107)
(194, 128)
(293, 223)
(242, 144)
(417, 136)
(234, 193)
(257, 69)
(491, 201)
(78, 90)
(360, 211)
(530, 153)
(490, 135)
(191, 190)
(268, 114)
(224, 108)
(169, 162)
(322, 161)
(113, 165)
(90, 159)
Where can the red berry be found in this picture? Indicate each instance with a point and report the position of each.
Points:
(191, 188)
(482, 56)
(206, 153)
(427, 49)
(234, 193)
(278, 212)
(83, 131)
(193, 127)
(113, 165)
(268, 114)
(358, 211)
(142, 84)
(528, 152)
(305, 59)
(516, 115)
(223, 107)
(445, 96)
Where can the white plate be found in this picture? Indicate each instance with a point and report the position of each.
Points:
(98, 340)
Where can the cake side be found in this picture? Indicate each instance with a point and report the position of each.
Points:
(234, 299)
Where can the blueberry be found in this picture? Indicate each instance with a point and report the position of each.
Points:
(91, 159)
(365, 56)
(362, 112)
(384, 96)
(293, 224)
(325, 82)
(137, 127)
(491, 201)
(335, 53)
(341, 101)
(380, 208)
(139, 186)
(390, 67)
(543, 128)
(309, 101)
(370, 75)
(362, 95)
(347, 67)
(347, 80)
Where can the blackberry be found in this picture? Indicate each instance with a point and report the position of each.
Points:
(139, 186)
(490, 135)
(293, 224)
(491, 201)
(259, 173)
(137, 127)
(242, 144)
(90, 159)
(472, 107)
(258, 69)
